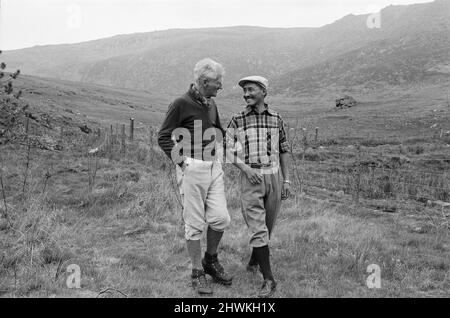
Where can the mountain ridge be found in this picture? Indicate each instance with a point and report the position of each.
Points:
(162, 61)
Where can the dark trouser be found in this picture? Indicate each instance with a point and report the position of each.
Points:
(260, 205)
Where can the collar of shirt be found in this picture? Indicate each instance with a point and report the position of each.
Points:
(249, 110)
(197, 96)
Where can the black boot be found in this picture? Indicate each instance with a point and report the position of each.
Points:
(268, 288)
(212, 267)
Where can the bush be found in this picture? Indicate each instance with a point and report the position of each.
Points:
(11, 110)
(418, 150)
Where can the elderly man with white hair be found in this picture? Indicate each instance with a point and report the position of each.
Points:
(191, 120)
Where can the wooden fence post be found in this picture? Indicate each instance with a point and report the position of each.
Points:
(131, 129)
(110, 143)
(316, 136)
(123, 150)
(303, 184)
(111, 134)
(105, 129)
(27, 125)
(118, 134)
(358, 174)
(61, 135)
(305, 142)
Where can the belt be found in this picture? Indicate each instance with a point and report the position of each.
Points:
(260, 165)
(189, 160)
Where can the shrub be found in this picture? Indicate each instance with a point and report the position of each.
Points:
(11, 110)
(418, 150)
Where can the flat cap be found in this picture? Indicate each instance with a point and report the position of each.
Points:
(261, 81)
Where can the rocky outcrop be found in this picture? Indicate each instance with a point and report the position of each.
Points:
(84, 128)
(345, 102)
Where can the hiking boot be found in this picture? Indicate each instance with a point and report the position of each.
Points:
(212, 267)
(200, 283)
(268, 289)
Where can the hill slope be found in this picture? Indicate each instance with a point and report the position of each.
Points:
(91, 103)
(409, 60)
(162, 61)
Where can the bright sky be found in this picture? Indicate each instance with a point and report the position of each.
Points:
(25, 23)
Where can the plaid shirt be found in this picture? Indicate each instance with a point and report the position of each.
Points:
(257, 138)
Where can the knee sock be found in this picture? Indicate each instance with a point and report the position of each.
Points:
(212, 241)
(263, 256)
(253, 261)
(195, 252)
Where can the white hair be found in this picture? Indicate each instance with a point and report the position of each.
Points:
(207, 68)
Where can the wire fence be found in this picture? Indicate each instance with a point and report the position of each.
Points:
(353, 172)
(365, 174)
(357, 172)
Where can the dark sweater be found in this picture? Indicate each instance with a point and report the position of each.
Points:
(181, 114)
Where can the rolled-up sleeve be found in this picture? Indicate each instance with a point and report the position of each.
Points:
(284, 143)
(230, 136)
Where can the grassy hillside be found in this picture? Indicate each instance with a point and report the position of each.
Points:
(419, 59)
(162, 61)
(92, 102)
(117, 215)
(125, 233)
(408, 112)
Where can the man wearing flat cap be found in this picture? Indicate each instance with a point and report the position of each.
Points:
(256, 142)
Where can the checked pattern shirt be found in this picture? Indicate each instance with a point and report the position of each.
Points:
(257, 138)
